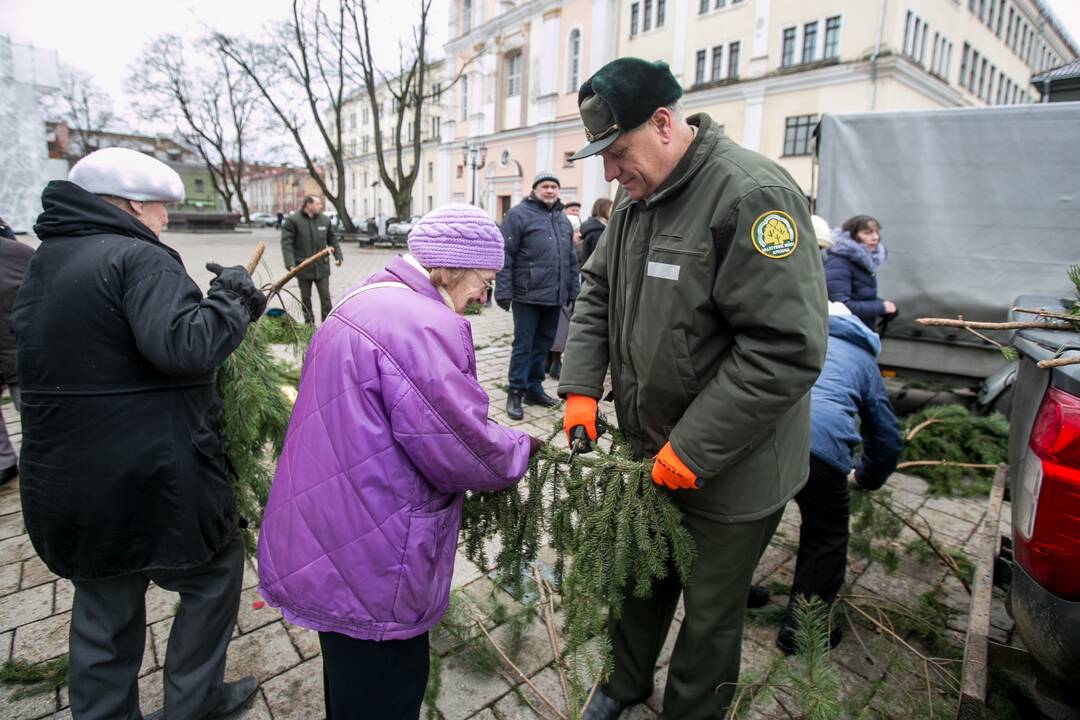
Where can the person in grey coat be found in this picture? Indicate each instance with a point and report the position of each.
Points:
(540, 276)
(14, 257)
(304, 233)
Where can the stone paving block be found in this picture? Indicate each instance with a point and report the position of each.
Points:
(160, 603)
(464, 692)
(485, 596)
(669, 644)
(535, 649)
(9, 499)
(152, 692)
(896, 585)
(484, 714)
(35, 572)
(306, 641)
(515, 704)
(909, 483)
(159, 633)
(464, 571)
(774, 557)
(64, 596)
(970, 509)
(298, 693)
(257, 709)
(656, 700)
(16, 548)
(248, 618)
(28, 708)
(263, 653)
(42, 640)
(11, 525)
(251, 577)
(5, 645)
(25, 606)
(9, 578)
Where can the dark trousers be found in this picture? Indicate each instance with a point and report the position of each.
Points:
(534, 332)
(108, 634)
(823, 537)
(373, 680)
(323, 286)
(705, 662)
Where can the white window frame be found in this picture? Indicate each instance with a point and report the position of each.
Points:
(514, 63)
(573, 60)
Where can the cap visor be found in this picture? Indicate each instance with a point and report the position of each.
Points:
(595, 147)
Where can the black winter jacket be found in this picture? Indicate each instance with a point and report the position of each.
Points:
(14, 257)
(591, 230)
(851, 281)
(541, 265)
(122, 468)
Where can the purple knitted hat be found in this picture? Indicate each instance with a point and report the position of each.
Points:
(457, 236)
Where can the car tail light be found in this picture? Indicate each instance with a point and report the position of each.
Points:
(1048, 499)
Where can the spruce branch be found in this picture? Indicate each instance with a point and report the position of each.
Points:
(1059, 362)
(1010, 325)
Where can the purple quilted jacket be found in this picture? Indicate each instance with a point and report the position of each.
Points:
(389, 429)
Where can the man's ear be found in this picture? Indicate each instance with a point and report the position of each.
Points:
(663, 122)
(136, 207)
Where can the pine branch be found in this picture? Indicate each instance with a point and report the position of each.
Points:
(1046, 314)
(255, 258)
(1011, 325)
(1059, 362)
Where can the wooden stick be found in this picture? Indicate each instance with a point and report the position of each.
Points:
(1046, 313)
(1059, 362)
(255, 258)
(932, 463)
(543, 698)
(276, 288)
(919, 428)
(547, 607)
(1011, 325)
(891, 632)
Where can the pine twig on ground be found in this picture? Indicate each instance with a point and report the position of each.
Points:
(1010, 325)
(935, 463)
(1059, 362)
(547, 607)
(919, 428)
(1047, 314)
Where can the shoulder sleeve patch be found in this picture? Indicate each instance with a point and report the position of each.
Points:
(774, 234)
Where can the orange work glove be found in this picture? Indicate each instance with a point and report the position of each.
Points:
(671, 472)
(580, 410)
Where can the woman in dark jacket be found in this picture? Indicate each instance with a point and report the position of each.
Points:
(851, 267)
(593, 228)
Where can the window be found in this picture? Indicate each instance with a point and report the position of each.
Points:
(1001, 88)
(703, 7)
(974, 70)
(200, 185)
(466, 16)
(646, 19)
(460, 171)
(699, 68)
(798, 133)
(722, 3)
(573, 61)
(436, 126)
(513, 74)
(733, 60)
(352, 121)
(1001, 16)
(430, 203)
(717, 63)
(787, 52)
(809, 42)
(964, 65)
(634, 13)
(661, 12)
(982, 77)
(365, 144)
(832, 37)
(436, 91)
(352, 147)
(430, 172)
(464, 97)
(365, 115)
(1010, 27)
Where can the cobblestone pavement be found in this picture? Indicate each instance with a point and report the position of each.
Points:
(35, 606)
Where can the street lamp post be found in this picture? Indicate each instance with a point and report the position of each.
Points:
(473, 156)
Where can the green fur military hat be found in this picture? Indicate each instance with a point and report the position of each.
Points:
(620, 96)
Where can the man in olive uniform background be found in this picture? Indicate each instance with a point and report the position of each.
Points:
(304, 233)
(705, 298)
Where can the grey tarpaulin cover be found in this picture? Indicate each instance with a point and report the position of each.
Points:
(978, 206)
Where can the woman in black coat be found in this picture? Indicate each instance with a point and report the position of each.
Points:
(851, 267)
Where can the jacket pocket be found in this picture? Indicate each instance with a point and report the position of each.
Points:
(427, 564)
(685, 367)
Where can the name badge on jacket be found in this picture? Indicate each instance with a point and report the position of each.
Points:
(664, 271)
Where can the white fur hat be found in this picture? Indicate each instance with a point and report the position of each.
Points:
(128, 174)
(822, 231)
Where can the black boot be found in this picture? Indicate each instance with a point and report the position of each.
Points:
(601, 707)
(513, 404)
(556, 370)
(233, 697)
(785, 639)
(8, 474)
(758, 597)
(541, 398)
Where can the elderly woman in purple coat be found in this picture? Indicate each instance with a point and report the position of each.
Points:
(389, 429)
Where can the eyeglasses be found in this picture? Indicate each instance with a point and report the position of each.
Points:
(488, 284)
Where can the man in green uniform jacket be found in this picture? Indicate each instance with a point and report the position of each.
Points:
(304, 233)
(705, 298)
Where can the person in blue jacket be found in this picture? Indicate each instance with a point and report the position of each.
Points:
(848, 407)
(539, 277)
(851, 267)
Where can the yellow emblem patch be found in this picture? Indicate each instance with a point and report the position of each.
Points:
(774, 234)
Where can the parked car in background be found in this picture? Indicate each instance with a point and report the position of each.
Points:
(1044, 484)
(263, 219)
(398, 232)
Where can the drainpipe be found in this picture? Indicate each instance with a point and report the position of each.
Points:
(877, 51)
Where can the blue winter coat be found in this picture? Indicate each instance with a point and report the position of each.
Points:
(850, 394)
(541, 265)
(852, 281)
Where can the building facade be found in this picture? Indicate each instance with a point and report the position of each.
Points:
(278, 189)
(366, 194)
(765, 70)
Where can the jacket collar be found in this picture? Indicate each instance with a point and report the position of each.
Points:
(558, 206)
(700, 150)
(852, 329)
(408, 270)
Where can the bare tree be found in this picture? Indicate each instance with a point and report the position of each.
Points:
(307, 63)
(84, 107)
(212, 109)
